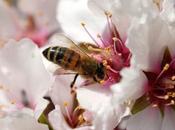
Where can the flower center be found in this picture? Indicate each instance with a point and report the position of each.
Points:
(110, 50)
(76, 117)
(162, 91)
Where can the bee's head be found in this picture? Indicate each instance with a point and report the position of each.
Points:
(100, 73)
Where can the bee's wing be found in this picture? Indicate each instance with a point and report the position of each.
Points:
(64, 41)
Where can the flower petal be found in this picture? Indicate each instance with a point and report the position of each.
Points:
(98, 101)
(20, 121)
(168, 121)
(61, 91)
(130, 87)
(22, 71)
(168, 12)
(70, 15)
(149, 44)
(150, 118)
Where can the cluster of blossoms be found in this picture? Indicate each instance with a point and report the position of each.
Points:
(133, 40)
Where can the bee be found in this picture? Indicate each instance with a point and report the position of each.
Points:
(71, 56)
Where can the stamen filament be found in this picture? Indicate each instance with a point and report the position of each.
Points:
(115, 39)
(165, 68)
(83, 25)
(98, 36)
(67, 113)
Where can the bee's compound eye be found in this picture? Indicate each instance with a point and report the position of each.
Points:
(100, 74)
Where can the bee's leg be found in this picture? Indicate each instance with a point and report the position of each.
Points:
(73, 82)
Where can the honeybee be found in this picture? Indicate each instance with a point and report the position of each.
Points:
(71, 56)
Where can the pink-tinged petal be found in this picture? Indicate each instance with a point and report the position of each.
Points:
(58, 122)
(150, 118)
(22, 72)
(44, 11)
(60, 92)
(131, 85)
(40, 107)
(147, 42)
(72, 13)
(20, 121)
(169, 118)
(98, 101)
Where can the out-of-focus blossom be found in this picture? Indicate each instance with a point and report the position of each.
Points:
(25, 18)
(153, 53)
(23, 77)
(20, 120)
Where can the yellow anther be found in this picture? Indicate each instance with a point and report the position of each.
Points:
(173, 78)
(98, 35)
(102, 81)
(171, 94)
(105, 62)
(110, 59)
(83, 24)
(13, 102)
(154, 105)
(65, 104)
(166, 67)
(114, 39)
(107, 13)
(166, 97)
(172, 102)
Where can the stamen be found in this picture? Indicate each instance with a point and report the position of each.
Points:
(171, 94)
(115, 39)
(13, 102)
(105, 63)
(99, 36)
(67, 113)
(108, 15)
(83, 25)
(165, 68)
(154, 105)
(171, 103)
(173, 78)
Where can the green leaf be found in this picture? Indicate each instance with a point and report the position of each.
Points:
(161, 108)
(173, 107)
(43, 119)
(166, 57)
(140, 104)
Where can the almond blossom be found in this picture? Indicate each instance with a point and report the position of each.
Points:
(153, 54)
(109, 33)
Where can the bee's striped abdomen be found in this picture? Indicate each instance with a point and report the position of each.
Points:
(62, 56)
